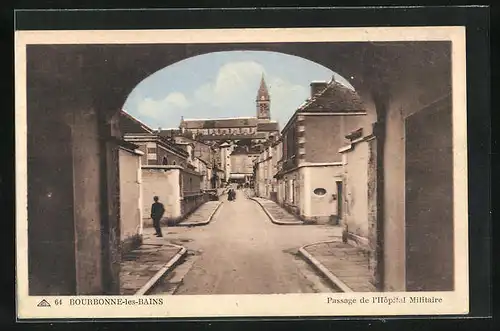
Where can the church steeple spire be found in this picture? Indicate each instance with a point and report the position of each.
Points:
(263, 102)
(263, 93)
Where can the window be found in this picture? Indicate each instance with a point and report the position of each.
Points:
(287, 193)
(320, 191)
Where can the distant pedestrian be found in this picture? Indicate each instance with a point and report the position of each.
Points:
(234, 196)
(157, 211)
(230, 195)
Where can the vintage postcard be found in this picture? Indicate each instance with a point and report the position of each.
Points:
(241, 172)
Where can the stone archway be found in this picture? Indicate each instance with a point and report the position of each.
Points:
(394, 80)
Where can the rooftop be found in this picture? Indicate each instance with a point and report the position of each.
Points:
(219, 123)
(145, 137)
(334, 98)
(260, 135)
(269, 126)
(130, 124)
(215, 119)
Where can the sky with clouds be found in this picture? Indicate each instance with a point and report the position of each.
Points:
(224, 84)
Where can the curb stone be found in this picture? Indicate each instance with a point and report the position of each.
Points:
(171, 264)
(271, 216)
(322, 269)
(209, 219)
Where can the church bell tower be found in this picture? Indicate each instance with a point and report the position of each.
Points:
(263, 102)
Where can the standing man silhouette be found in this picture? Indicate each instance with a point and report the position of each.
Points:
(157, 211)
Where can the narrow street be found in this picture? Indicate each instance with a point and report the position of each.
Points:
(242, 252)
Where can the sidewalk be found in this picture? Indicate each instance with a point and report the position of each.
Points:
(345, 265)
(142, 267)
(277, 214)
(203, 215)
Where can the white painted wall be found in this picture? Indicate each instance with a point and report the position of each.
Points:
(321, 177)
(130, 194)
(356, 189)
(162, 181)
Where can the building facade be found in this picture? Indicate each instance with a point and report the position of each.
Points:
(228, 135)
(310, 175)
(131, 217)
(170, 170)
(258, 128)
(266, 167)
(242, 160)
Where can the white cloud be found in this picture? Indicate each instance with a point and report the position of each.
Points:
(231, 92)
(235, 87)
(204, 93)
(234, 82)
(236, 76)
(176, 99)
(285, 98)
(157, 109)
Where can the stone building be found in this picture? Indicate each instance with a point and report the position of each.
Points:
(258, 128)
(202, 154)
(158, 150)
(169, 170)
(242, 162)
(225, 155)
(226, 134)
(310, 175)
(266, 168)
(73, 210)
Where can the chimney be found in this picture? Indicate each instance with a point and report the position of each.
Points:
(317, 87)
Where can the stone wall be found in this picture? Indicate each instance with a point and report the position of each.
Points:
(320, 207)
(130, 199)
(172, 158)
(191, 182)
(86, 167)
(191, 202)
(161, 181)
(355, 181)
(321, 147)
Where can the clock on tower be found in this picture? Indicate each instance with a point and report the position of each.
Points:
(263, 110)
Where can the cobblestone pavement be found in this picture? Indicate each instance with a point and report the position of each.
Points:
(141, 264)
(348, 263)
(242, 252)
(201, 215)
(277, 212)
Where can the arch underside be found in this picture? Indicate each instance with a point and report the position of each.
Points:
(106, 74)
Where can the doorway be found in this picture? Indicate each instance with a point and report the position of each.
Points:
(340, 198)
